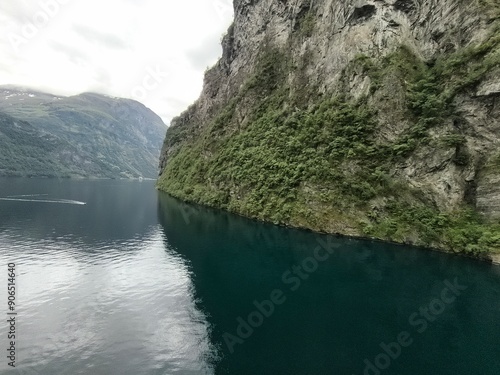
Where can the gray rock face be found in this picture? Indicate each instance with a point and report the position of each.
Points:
(491, 85)
(329, 43)
(345, 29)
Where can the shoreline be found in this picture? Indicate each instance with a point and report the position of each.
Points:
(493, 259)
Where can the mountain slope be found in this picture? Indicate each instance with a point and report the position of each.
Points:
(25, 150)
(368, 118)
(101, 136)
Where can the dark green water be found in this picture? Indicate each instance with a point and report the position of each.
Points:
(136, 282)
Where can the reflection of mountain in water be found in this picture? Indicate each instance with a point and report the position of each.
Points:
(101, 290)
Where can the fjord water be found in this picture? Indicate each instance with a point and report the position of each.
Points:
(136, 282)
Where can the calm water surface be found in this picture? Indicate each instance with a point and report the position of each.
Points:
(135, 282)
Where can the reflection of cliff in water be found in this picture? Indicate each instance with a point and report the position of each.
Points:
(123, 305)
(362, 294)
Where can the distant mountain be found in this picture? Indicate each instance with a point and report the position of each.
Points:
(87, 135)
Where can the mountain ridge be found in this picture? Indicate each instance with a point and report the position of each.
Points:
(101, 136)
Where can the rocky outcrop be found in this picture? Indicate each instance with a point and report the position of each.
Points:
(427, 70)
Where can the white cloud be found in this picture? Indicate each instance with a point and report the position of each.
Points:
(154, 51)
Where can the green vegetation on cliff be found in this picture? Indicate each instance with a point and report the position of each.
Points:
(318, 161)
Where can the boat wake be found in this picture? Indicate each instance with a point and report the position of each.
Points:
(61, 201)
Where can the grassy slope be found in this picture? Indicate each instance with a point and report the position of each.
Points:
(27, 152)
(318, 165)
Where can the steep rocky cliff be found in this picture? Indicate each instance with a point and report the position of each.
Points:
(374, 118)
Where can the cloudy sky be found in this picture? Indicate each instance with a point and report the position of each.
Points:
(154, 51)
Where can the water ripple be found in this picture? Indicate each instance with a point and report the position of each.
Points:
(91, 306)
